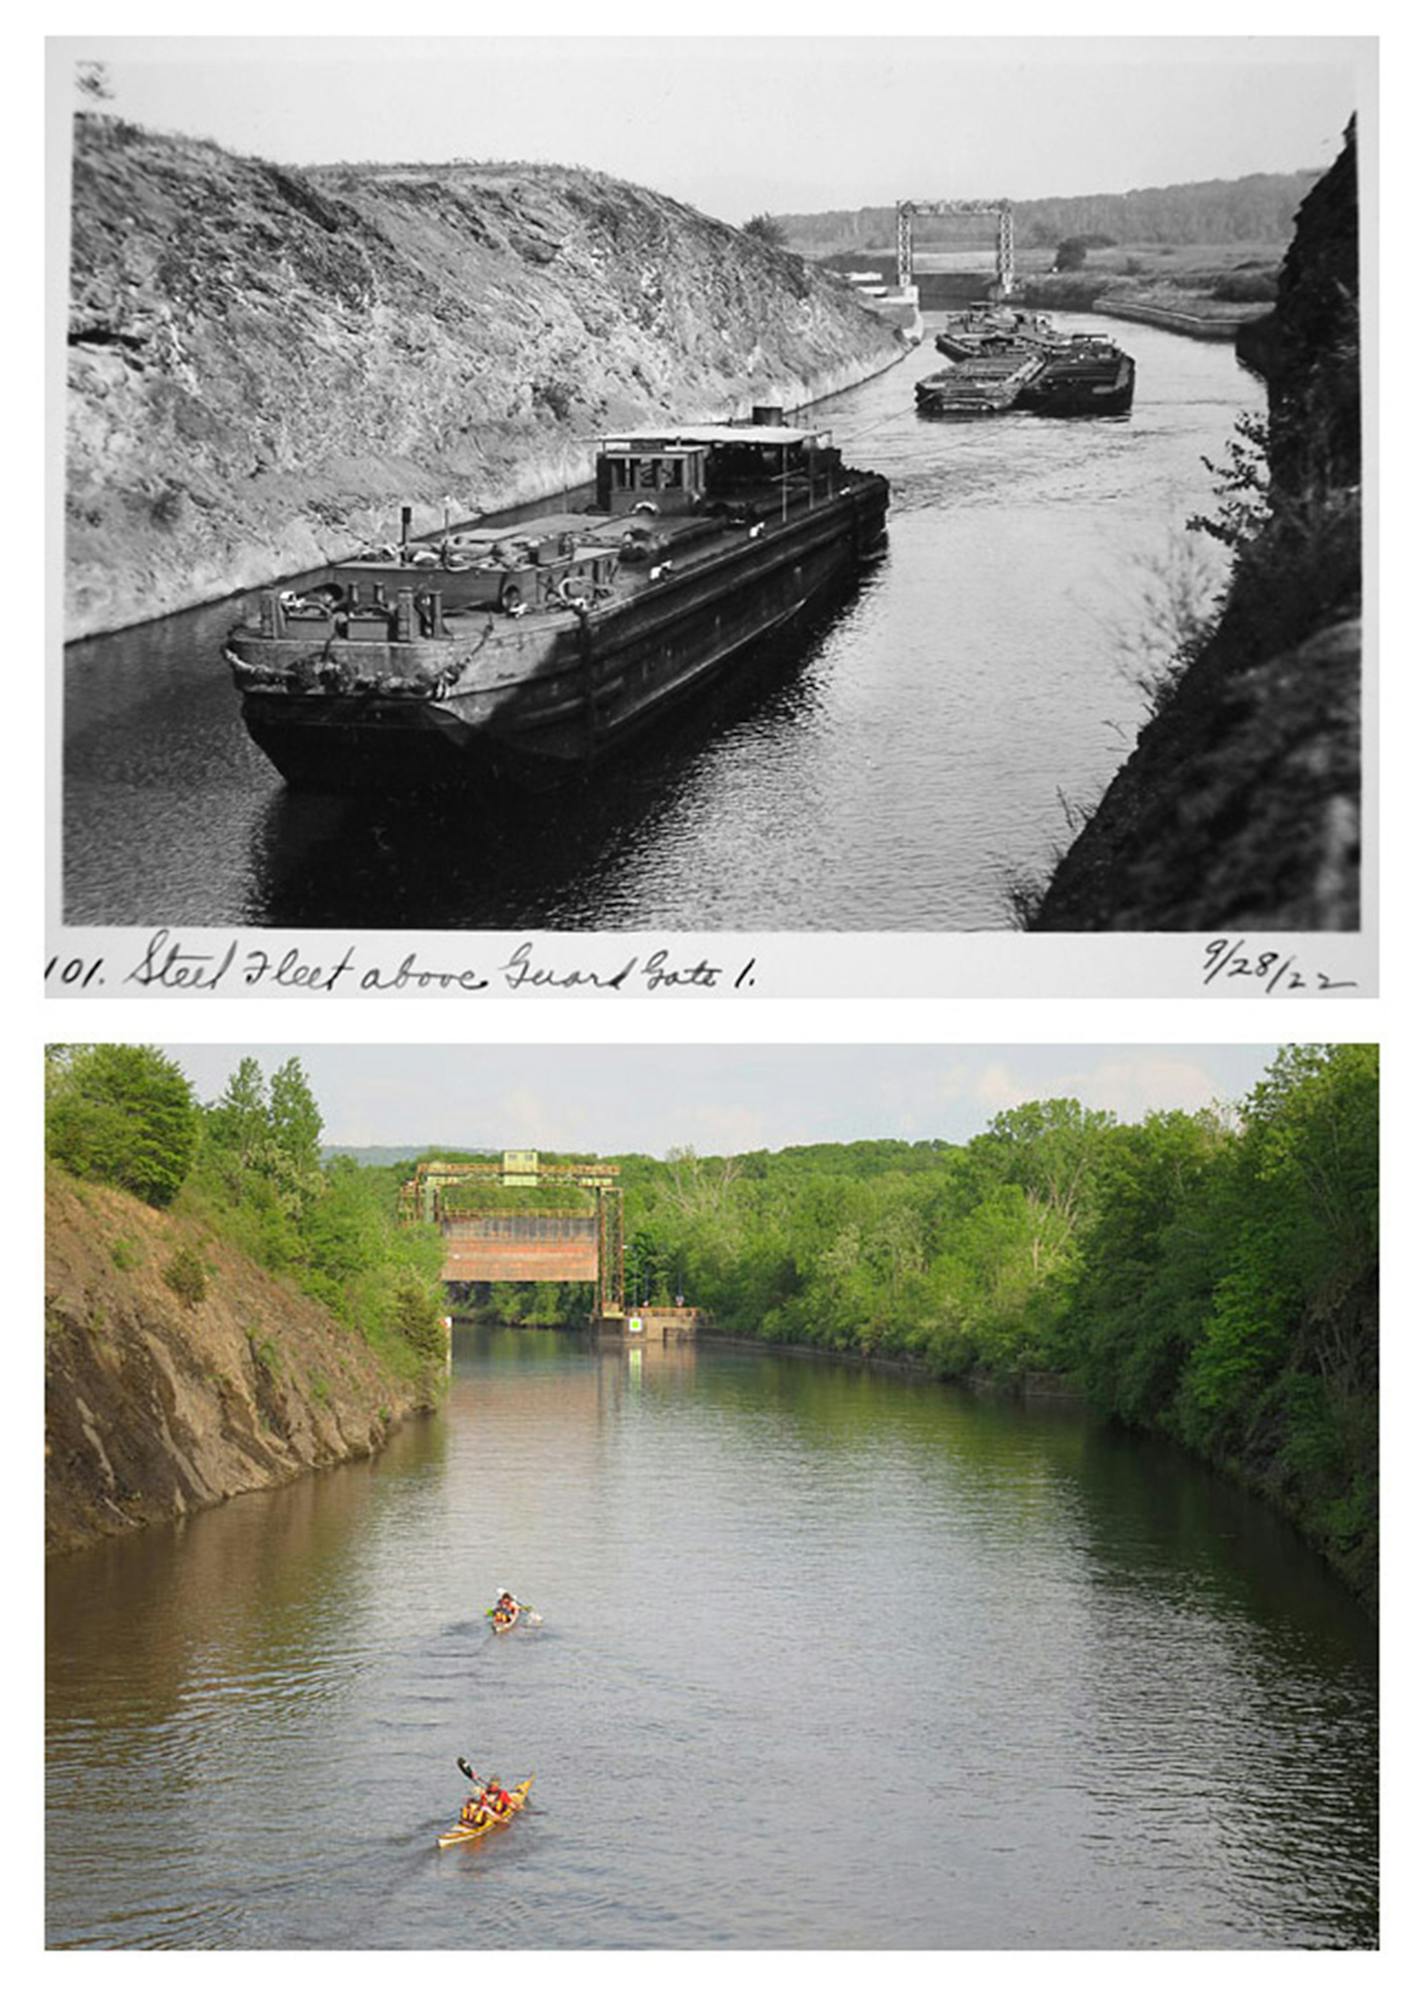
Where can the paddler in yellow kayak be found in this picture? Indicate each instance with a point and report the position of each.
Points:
(489, 1798)
(505, 1608)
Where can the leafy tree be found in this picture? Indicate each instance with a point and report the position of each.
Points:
(121, 1114)
(239, 1123)
(296, 1120)
(1241, 487)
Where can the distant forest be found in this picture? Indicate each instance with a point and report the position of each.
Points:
(1259, 208)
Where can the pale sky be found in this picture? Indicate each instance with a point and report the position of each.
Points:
(735, 124)
(718, 1099)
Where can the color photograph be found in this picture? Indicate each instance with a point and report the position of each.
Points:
(694, 1499)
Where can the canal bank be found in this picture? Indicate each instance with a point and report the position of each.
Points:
(178, 1373)
(1039, 1384)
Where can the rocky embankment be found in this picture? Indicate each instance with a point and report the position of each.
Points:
(265, 364)
(1240, 805)
(159, 1402)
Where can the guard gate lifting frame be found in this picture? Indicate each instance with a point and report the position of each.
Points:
(423, 1197)
(905, 212)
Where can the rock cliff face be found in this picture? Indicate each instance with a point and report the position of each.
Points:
(1240, 805)
(156, 1405)
(264, 364)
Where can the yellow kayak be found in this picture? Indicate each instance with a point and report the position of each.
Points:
(459, 1833)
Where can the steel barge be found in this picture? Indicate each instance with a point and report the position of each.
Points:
(1092, 376)
(535, 650)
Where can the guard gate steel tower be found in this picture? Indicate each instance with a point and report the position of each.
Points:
(539, 1240)
(905, 212)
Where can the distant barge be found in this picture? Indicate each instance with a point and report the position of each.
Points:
(990, 328)
(1027, 365)
(535, 650)
(988, 385)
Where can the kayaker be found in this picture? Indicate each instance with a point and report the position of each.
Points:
(473, 1808)
(506, 1606)
(497, 1801)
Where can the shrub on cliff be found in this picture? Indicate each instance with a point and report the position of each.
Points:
(418, 1317)
(120, 1114)
(187, 1275)
(766, 228)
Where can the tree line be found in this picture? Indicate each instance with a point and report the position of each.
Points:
(1258, 208)
(248, 1168)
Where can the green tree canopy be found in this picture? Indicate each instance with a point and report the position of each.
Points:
(121, 1114)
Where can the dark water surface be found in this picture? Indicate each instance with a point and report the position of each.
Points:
(828, 1659)
(890, 770)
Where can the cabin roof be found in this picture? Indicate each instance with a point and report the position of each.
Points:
(729, 432)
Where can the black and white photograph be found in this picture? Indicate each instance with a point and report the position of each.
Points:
(798, 487)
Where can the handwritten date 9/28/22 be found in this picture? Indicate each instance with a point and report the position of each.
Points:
(1278, 974)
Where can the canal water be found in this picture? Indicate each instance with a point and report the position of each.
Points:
(828, 1659)
(932, 739)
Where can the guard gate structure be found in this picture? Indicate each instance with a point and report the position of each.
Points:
(905, 212)
(562, 1245)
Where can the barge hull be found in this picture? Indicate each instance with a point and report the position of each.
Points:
(627, 667)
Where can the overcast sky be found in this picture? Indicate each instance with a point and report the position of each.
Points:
(648, 1099)
(735, 125)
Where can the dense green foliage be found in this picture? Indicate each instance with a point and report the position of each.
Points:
(120, 1114)
(333, 1228)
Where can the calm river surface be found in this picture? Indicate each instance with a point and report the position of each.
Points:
(892, 772)
(828, 1659)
